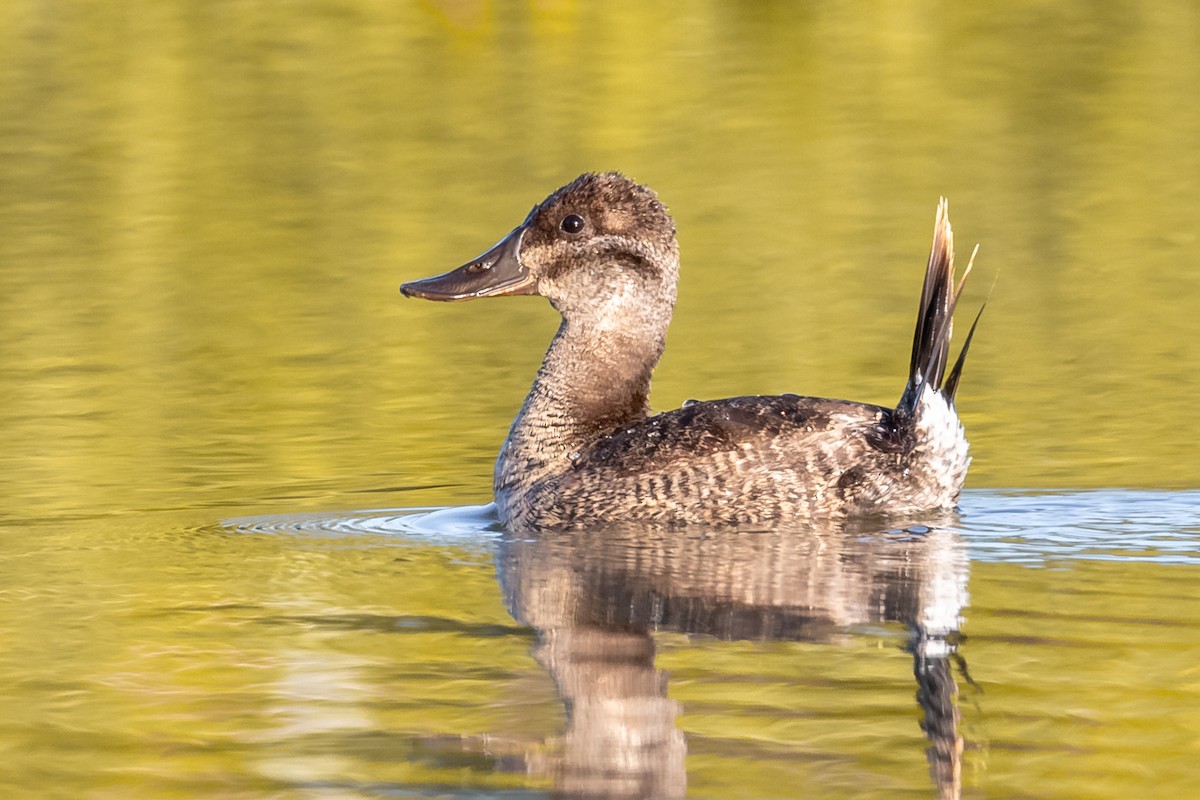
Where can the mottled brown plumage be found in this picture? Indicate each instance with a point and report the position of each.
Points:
(584, 451)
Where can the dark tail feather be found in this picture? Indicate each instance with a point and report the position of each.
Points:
(951, 386)
(935, 316)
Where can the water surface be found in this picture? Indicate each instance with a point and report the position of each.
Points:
(1026, 648)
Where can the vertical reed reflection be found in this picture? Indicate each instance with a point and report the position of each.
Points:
(595, 600)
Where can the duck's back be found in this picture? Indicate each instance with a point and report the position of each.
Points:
(742, 461)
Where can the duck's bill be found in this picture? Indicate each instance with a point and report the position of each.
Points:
(496, 273)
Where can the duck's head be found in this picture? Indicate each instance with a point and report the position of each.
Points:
(598, 245)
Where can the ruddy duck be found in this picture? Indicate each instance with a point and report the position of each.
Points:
(585, 451)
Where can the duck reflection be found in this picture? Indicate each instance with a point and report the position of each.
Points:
(595, 600)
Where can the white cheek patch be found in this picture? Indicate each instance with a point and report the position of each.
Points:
(620, 308)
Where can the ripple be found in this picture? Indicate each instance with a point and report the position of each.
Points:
(1009, 526)
(459, 525)
(1102, 525)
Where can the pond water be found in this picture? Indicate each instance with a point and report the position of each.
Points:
(1031, 647)
(245, 549)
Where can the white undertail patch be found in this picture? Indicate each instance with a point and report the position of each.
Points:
(941, 454)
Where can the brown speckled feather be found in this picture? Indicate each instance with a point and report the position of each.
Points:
(701, 464)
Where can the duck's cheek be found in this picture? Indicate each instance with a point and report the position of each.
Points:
(571, 301)
(551, 288)
(617, 308)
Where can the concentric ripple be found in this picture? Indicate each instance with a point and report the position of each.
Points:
(461, 525)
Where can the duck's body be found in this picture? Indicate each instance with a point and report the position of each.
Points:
(584, 451)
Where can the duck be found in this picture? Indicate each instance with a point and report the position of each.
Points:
(585, 450)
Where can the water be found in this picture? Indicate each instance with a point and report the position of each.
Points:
(400, 653)
(205, 368)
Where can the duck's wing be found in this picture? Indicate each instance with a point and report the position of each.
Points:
(740, 460)
(777, 423)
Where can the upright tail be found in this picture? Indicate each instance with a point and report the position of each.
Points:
(935, 316)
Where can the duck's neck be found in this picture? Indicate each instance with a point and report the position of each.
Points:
(594, 380)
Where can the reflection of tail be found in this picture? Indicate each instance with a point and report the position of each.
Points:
(931, 342)
(936, 694)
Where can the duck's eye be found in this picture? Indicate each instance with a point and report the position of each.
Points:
(572, 223)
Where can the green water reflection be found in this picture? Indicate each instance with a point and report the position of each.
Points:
(206, 209)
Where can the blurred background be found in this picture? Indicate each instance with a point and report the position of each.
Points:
(206, 209)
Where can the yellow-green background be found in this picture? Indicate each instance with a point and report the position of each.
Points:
(205, 211)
